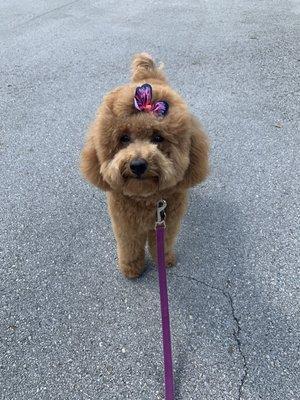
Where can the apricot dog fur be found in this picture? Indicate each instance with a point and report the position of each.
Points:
(175, 152)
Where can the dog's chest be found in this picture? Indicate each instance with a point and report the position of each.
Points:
(143, 213)
(130, 212)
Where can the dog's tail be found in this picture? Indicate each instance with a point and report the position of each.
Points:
(144, 67)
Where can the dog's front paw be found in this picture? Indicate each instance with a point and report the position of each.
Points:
(170, 260)
(132, 269)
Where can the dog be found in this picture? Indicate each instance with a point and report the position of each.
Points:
(143, 146)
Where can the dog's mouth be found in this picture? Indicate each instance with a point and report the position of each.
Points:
(151, 181)
(140, 185)
(147, 176)
(144, 178)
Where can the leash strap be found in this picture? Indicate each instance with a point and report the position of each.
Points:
(164, 303)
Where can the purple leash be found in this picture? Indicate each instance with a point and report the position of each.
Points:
(164, 303)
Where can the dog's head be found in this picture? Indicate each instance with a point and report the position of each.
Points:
(142, 146)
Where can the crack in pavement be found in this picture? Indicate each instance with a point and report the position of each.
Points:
(236, 331)
(46, 13)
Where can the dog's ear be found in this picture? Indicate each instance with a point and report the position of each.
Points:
(198, 168)
(90, 164)
(143, 68)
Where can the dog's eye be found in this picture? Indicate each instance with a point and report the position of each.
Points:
(125, 139)
(157, 138)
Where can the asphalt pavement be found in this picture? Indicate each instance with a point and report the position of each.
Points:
(71, 327)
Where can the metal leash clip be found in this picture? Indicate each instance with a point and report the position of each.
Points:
(160, 212)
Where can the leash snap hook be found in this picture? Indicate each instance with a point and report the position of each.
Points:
(160, 212)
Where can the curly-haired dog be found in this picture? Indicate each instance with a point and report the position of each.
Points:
(143, 146)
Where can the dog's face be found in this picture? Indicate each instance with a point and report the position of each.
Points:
(144, 140)
(140, 153)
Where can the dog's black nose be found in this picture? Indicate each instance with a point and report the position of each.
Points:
(138, 166)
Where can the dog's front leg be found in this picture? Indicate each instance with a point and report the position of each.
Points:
(131, 249)
(175, 211)
(171, 233)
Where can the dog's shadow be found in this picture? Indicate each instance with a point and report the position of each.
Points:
(210, 247)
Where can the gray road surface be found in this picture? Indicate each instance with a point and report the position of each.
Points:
(72, 327)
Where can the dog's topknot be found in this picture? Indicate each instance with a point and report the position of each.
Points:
(144, 67)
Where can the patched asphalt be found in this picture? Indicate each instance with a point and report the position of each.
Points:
(71, 326)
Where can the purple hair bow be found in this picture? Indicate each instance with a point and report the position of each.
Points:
(143, 101)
